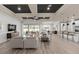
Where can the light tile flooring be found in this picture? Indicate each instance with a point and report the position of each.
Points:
(55, 46)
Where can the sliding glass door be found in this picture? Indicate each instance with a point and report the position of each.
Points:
(33, 28)
(24, 30)
(29, 28)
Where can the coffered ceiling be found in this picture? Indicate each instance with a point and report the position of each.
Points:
(63, 13)
(28, 11)
(48, 8)
(41, 8)
(16, 8)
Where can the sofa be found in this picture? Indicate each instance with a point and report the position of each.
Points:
(16, 42)
(29, 42)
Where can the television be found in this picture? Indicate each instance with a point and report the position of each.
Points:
(11, 27)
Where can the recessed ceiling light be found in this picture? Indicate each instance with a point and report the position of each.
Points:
(48, 8)
(49, 5)
(19, 8)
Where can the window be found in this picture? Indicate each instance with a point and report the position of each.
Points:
(29, 28)
(34, 28)
(24, 30)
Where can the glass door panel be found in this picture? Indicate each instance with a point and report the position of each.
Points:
(25, 29)
(29, 28)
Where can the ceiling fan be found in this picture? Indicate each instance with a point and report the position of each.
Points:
(35, 18)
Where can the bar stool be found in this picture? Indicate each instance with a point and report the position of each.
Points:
(67, 35)
(62, 34)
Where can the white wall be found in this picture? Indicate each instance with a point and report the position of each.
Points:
(66, 13)
(6, 19)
